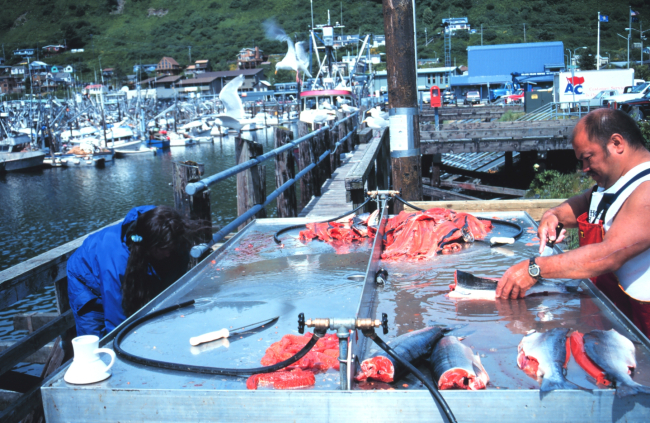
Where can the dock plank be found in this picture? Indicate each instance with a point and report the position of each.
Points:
(333, 200)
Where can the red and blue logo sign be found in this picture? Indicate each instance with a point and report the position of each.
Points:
(575, 85)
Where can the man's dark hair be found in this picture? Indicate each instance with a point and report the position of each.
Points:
(601, 124)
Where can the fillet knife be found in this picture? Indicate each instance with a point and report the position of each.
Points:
(225, 333)
(548, 248)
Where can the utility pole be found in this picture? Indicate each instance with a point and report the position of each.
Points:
(190, 53)
(481, 34)
(404, 120)
(629, 35)
(3, 52)
(524, 33)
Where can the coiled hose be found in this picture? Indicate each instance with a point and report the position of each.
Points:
(519, 229)
(200, 369)
(303, 225)
(418, 374)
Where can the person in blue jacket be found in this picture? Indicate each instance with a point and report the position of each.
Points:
(119, 269)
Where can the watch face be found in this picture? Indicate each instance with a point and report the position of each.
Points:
(533, 270)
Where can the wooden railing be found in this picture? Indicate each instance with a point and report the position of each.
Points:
(372, 172)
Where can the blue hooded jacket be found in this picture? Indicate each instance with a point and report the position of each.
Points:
(95, 272)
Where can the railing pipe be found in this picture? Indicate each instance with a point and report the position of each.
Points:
(195, 187)
(198, 250)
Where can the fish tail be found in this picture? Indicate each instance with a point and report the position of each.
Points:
(627, 389)
(551, 384)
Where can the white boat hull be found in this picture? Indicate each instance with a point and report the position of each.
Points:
(11, 162)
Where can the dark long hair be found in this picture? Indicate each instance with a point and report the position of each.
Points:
(161, 228)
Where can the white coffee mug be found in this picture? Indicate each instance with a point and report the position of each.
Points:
(86, 365)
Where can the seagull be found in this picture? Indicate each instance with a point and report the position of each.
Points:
(377, 113)
(326, 105)
(296, 58)
(234, 110)
(349, 109)
(341, 100)
(376, 122)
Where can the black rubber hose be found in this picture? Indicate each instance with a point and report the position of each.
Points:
(288, 228)
(520, 230)
(200, 369)
(431, 387)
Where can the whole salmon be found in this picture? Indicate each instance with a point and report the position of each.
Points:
(615, 354)
(455, 366)
(469, 287)
(545, 355)
(412, 347)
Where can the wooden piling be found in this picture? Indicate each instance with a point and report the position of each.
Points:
(335, 157)
(285, 170)
(196, 207)
(320, 144)
(307, 182)
(402, 95)
(345, 147)
(250, 182)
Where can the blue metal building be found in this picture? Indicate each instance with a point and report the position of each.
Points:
(494, 65)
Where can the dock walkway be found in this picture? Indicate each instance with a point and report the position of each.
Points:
(332, 202)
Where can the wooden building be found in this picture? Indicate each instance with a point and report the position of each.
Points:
(168, 66)
(250, 58)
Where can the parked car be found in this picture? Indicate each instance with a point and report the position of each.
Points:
(472, 97)
(597, 100)
(636, 92)
(516, 98)
(448, 97)
(638, 108)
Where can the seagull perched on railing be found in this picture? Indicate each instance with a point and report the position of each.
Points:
(377, 113)
(376, 122)
(296, 58)
(349, 109)
(326, 105)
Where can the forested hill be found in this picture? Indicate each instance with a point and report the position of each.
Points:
(125, 32)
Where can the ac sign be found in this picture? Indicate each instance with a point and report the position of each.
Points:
(575, 85)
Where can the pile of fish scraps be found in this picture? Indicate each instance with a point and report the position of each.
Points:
(417, 235)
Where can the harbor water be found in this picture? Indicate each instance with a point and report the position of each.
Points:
(46, 208)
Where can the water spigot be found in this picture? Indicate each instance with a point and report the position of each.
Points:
(301, 323)
(381, 277)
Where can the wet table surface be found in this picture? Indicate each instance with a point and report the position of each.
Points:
(253, 279)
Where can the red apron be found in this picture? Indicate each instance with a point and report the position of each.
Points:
(637, 311)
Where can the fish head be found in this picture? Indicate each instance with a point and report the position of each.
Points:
(378, 368)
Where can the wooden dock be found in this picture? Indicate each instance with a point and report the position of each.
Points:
(333, 199)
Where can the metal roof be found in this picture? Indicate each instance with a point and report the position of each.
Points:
(504, 59)
(227, 74)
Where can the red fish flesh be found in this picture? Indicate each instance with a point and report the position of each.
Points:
(293, 379)
(456, 367)
(592, 369)
(408, 236)
(412, 347)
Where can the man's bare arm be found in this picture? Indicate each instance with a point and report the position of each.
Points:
(567, 213)
(628, 236)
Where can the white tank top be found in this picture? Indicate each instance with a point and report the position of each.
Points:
(634, 275)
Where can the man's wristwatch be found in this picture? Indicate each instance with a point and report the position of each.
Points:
(533, 269)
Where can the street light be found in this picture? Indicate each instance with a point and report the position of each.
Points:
(573, 67)
(628, 48)
(640, 37)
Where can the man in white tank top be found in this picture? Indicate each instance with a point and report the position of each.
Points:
(614, 220)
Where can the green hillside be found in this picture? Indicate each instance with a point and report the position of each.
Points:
(122, 33)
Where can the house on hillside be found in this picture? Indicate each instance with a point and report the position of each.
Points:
(25, 52)
(68, 69)
(54, 49)
(95, 89)
(166, 86)
(199, 67)
(427, 77)
(250, 58)
(168, 66)
(452, 25)
(146, 68)
(200, 84)
(9, 84)
(108, 72)
(18, 71)
(252, 78)
(378, 40)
